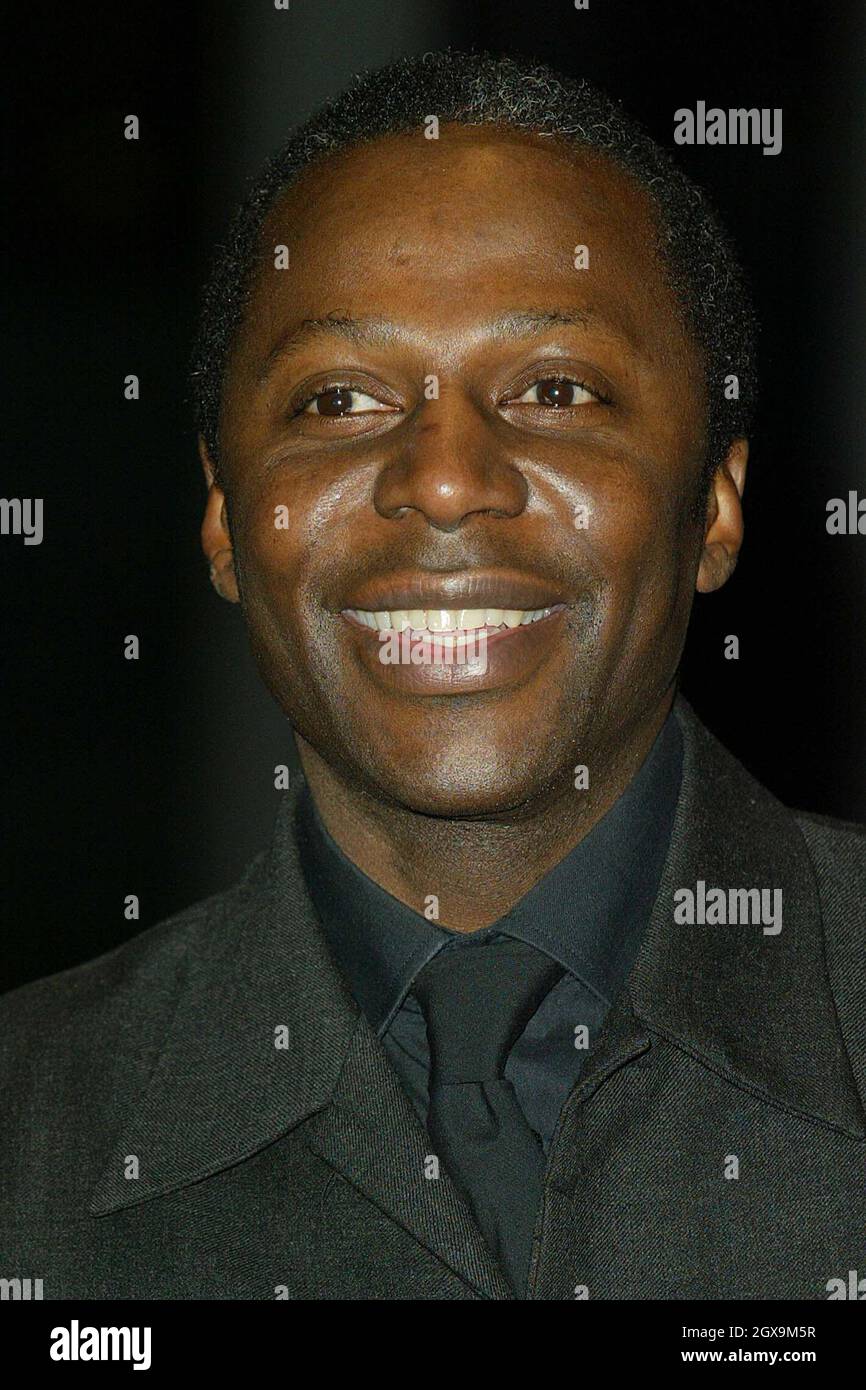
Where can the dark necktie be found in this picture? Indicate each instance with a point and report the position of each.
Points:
(477, 1000)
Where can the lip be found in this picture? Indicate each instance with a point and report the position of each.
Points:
(508, 658)
(457, 589)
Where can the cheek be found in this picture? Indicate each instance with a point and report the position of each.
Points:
(270, 561)
(627, 516)
(640, 536)
(281, 536)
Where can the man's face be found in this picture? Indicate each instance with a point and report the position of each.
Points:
(494, 427)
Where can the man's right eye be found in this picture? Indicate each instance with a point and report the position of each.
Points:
(335, 401)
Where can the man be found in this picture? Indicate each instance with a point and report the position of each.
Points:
(537, 994)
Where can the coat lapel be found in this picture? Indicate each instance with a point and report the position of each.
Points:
(258, 970)
(752, 1008)
(755, 1008)
(371, 1134)
(242, 1061)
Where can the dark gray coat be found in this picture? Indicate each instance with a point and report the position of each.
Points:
(267, 1171)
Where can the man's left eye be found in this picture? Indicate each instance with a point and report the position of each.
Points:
(342, 400)
(556, 392)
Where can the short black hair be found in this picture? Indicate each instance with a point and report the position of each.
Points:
(482, 89)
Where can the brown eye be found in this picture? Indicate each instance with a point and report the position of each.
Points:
(337, 401)
(342, 400)
(557, 393)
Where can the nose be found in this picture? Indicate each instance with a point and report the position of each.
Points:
(450, 468)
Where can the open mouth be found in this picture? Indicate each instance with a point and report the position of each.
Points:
(463, 632)
(450, 625)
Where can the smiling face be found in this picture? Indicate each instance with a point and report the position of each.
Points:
(434, 418)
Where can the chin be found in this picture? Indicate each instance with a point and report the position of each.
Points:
(461, 788)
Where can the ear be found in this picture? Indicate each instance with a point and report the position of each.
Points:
(723, 533)
(215, 539)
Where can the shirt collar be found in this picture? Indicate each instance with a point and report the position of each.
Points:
(588, 912)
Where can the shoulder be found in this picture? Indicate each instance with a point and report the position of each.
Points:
(120, 1001)
(831, 851)
(837, 850)
(78, 1050)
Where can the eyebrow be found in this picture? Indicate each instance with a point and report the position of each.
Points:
(377, 331)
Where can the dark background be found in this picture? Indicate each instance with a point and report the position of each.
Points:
(155, 777)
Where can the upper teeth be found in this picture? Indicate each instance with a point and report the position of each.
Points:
(446, 619)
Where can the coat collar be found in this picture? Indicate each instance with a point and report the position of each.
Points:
(756, 1008)
(221, 1088)
(221, 1091)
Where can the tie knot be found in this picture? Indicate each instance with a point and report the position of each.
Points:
(477, 999)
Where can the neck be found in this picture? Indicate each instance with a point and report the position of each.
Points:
(466, 874)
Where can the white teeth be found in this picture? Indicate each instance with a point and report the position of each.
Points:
(535, 614)
(470, 618)
(445, 620)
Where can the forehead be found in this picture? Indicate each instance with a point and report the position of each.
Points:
(446, 233)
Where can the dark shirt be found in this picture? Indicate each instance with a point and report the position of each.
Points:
(588, 912)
